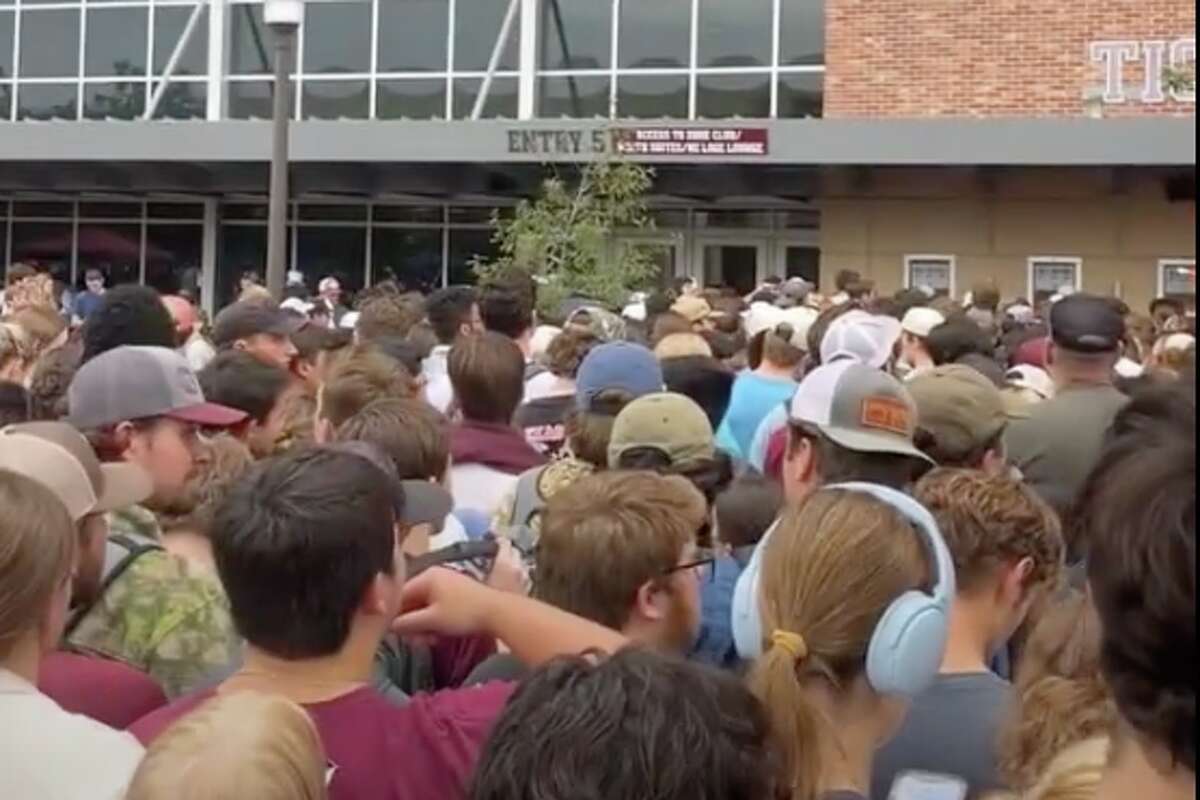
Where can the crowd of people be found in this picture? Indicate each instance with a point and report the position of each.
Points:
(789, 546)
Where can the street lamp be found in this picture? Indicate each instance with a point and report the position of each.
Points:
(283, 17)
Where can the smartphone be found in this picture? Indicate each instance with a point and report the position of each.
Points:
(928, 786)
(480, 553)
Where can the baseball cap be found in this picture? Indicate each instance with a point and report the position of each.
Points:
(242, 320)
(296, 304)
(1035, 379)
(1034, 352)
(693, 309)
(858, 407)
(861, 337)
(672, 423)
(129, 383)
(920, 321)
(415, 502)
(57, 456)
(617, 365)
(761, 317)
(800, 318)
(1085, 323)
(958, 406)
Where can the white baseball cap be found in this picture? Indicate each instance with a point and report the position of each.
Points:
(1035, 379)
(801, 318)
(761, 317)
(921, 320)
(861, 337)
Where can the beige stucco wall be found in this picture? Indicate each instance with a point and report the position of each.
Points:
(992, 231)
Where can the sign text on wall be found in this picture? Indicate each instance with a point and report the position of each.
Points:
(1156, 56)
(650, 141)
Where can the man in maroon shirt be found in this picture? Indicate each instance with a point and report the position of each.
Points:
(308, 548)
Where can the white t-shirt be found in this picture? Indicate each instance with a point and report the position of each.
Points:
(47, 753)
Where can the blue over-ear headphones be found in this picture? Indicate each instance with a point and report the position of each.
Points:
(906, 648)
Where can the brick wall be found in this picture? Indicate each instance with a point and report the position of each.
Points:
(918, 58)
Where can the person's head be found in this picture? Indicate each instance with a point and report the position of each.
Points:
(330, 289)
(249, 279)
(144, 405)
(18, 353)
(262, 331)
(506, 305)
(94, 280)
(413, 434)
(746, 510)
(265, 745)
(307, 550)
(667, 324)
(37, 554)
(668, 729)
(961, 418)
(619, 548)
(705, 380)
(222, 461)
(239, 380)
(918, 322)
(837, 580)
(1163, 309)
(956, 338)
(986, 296)
(128, 316)
(861, 337)
(682, 345)
(1006, 543)
(487, 373)
(184, 315)
(1061, 697)
(15, 404)
(846, 278)
(696, 311)
(51, 376)
(1173, 353)
(387, 314)
(453, 312)
(45, 326)
(1086, 334)
(683, 286)
(1137, 514)
(567, 350)
(354, 382)
(850, 422)
(316, 346)
(778, 337)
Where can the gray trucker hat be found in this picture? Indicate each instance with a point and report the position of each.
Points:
(130, 383)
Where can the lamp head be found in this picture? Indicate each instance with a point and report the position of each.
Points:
(283, 12)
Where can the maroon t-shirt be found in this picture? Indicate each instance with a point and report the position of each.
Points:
(425, 750)
(109, 692)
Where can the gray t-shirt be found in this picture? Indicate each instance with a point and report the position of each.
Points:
(951, 729)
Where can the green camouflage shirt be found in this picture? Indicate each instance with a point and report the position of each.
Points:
(162, 615)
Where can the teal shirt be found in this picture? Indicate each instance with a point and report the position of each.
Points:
(754, 397)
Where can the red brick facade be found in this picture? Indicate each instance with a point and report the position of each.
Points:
(1003, 58)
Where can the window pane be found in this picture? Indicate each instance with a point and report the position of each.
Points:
(115, 250)
(110, 211)
(412, 257)
(336, 99)
(6, 43)
(46, 101)
(733, 95)
(1179, 280)
(1050, 277)
(175, 210)
(802, 36)
(801, 94)
(114, 100)
(340, 252)
(408, 214)
(42, 209)
(249, 41)
(337, 37)
(465, 245)
(477, 26)
(243, 248)
(501, 102)
(50, 43)
(254, 99)
(933, 275)
(652, 96)
(183, 101)
(803, 262)
(574, 96)
(417, 99)
(173, 255)
(116, 41)
(576, 34)
(656, 34)
(169, 23)
(413, 35)
(735, 34)
(334, 212)
(46, 243)
(6, 93)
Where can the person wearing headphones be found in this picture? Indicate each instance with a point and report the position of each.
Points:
(846, 631)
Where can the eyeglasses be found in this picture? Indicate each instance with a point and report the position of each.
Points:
(704, 569)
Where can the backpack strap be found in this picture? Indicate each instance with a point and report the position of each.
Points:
(120, 553)
(527, 504)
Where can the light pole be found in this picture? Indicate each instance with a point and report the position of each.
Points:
(283, 17)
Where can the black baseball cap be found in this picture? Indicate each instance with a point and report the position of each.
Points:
(1086, 323)
(242, 320)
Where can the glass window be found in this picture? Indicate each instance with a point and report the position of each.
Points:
(337, 37)
(414, 99)
(183, 101)
(249, 41)
(175, 210)
(656, 34)
(243, 248)
(114, 249)
(801, 261)
(89, 210)
(929, 272)
(116, 41)
(1179, 279)
(1049, 276)
(114, 100)
(477, 27)
(6, 94)
(802, 32)
(413, 35)
(340, 252)
(169, 22)
(412, 257)
(733, 96)
(576, 34)
(801, 94)
(334, 212)
(465, 245)
(337, 99)
(573, 96)
(735, 34)
(50, 43)
(501, 102)
(254, 99)
(408, 214)
(47, 243)
(7, 25)
(173, 254)
(47, 101)
(652, 96)
(42, 209)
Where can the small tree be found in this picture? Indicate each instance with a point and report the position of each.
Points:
(562, 236)
(1180, 80)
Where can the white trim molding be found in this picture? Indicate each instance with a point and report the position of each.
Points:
(951, 263)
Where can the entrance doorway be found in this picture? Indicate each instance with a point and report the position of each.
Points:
(734, 264)
(663, 253)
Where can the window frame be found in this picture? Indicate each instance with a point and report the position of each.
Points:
(951, 262)
(1161, 273)
(1034, 261)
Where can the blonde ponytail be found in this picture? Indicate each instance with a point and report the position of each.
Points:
(796, 725)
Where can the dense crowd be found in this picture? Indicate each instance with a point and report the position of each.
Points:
(788, 546)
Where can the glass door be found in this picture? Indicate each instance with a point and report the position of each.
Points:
(738, 264)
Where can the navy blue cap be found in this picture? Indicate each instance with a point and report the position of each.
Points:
(624, 366)
(1086, 324)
